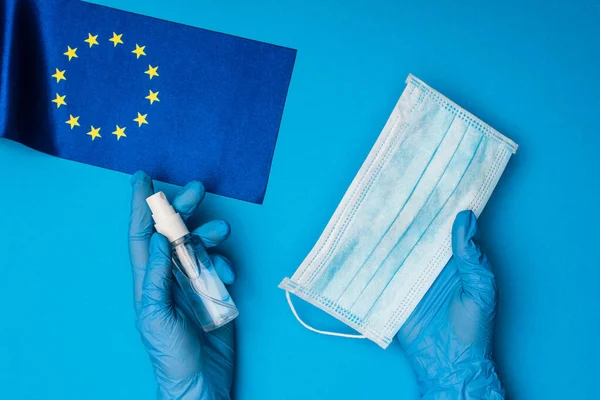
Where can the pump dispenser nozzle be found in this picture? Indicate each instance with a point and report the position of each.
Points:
(166, 221)
(160, 206)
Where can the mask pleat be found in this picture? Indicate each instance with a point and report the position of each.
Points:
(393, 136)
(442, 179)
(384, 201)
(417, 265)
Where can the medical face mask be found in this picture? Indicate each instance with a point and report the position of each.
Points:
(390, 236)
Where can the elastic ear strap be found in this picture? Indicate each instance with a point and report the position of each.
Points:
(310, 328)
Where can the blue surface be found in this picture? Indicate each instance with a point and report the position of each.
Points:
(530, 69)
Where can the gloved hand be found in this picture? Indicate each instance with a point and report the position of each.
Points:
(448, 338)
(188, 363)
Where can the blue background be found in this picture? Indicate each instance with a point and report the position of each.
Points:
(529, 68)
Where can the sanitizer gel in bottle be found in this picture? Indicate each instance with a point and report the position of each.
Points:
(195, 273)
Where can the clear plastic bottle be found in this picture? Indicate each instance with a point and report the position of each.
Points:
(197, 277)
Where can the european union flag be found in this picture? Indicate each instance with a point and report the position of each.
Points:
(127, 92)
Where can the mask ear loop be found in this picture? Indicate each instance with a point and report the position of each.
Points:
(310, 328)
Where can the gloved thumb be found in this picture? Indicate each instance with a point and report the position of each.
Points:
(158, 281)
(473, 266)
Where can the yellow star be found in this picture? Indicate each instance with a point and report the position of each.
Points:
(141, 119)
(72, 121)
(139, 51)
(151, 71)
(120, 132)
(116, 39)
(70, 52)
(153, 96)
(59, 75)
(60, 100)
(94, 133)
(91, 39)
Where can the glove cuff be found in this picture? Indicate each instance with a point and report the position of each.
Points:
(195, 389)
(477, 380)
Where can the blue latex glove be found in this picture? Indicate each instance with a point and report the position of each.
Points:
(448, 338)
(188, 363)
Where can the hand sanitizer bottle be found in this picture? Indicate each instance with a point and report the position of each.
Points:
(195, 273)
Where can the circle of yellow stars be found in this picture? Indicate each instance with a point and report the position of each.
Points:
(71, 53)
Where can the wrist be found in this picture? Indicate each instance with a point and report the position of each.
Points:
(193, 394)
(194, 389)
(469, 381)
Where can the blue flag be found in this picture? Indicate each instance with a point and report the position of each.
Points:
(127, 92)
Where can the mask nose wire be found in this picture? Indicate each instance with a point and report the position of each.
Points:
(310, 328)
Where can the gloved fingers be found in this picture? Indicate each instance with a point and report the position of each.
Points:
(222, 342)
(428, 308)
(473, 266)
(158, 280)
(140, 231)
(223, 267)
(188, 199)
(181, 301)
(213, 233)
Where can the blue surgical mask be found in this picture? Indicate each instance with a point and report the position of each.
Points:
(390, 236)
